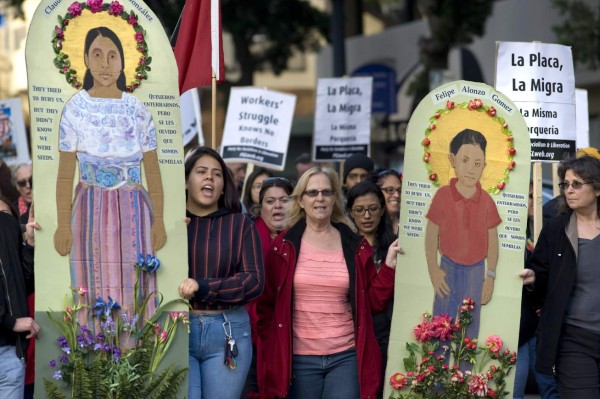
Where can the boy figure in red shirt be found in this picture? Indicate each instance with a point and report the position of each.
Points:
(462, 226)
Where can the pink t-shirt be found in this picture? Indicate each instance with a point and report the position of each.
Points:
(322, 318)
(463, 223)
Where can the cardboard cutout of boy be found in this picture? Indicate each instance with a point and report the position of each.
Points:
(462, 227)
(464, 206)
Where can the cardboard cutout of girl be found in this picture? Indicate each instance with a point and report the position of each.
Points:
(112, 220)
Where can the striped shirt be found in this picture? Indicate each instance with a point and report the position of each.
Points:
(225, 258)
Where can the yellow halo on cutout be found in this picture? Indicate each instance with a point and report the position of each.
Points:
(74, 41)
(449, 125)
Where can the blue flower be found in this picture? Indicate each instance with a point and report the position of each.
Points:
(103, 307)
(63, 358)
(148, 263)
(52, 363)
(57, 375)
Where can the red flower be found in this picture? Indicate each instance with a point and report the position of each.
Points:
(432, 126)
(95, 5)
(491, 393)
(512, 151)
(115, 8)
(423, 331)
(450, 104)
(494, 343)
(398, 381)
(436, 115)
(132, 20)
(443, 327)
(59, 32)
(139, 37)
(426, 142)
(74, 9)
(492, 111)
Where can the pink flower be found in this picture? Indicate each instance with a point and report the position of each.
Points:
(139, 37)
(443, 327)
(95, 5)
(424, 331)
(132, 20)
(494, 344)
(82, 290)
(163, 336)
(115, 8)
(59, 32)
(75, 9)
(457, 376)
(478, 385)
(398, 381)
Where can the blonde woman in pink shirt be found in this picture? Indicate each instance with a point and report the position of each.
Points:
(323, 272)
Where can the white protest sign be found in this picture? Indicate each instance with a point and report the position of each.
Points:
(583, 121)
(191, 117)
(13, 137)
(342, 118)
(539, 79)
(257, 127)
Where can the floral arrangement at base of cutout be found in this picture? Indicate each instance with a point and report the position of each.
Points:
(477, 106)
(433, 373)
(122, 359)
(114, 8)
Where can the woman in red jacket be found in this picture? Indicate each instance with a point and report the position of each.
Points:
(315, 330)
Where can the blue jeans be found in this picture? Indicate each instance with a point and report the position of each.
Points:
(325, 376)
(12, 374)
(464, 282)
(209, 376)
(526, 364)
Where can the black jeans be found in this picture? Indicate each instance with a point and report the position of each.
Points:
(578, 363)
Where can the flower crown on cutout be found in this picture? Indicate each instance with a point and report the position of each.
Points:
(477, 106)
(62, 62)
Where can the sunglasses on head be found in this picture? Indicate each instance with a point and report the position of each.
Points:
(23, 183)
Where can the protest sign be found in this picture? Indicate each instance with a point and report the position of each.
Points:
(583, 122)
(191, 117)
(257, 127)
(13, 137)
(539, 79)
(342, 118)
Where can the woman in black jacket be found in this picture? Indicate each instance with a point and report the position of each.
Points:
(565, 278)
(16, 273)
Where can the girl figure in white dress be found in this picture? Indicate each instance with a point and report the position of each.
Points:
(113, 219)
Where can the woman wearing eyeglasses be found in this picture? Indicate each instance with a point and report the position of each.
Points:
(316, 336)
(22, 178)
(366, 206)
(253, 185)
(564, 274)
(390, 183)
(270, 217)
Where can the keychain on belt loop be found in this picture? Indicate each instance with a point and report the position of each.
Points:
(231, 350)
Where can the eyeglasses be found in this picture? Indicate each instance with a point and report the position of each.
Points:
(576, 185)
(391, 190)
(360, 211)
(328, 192)
(23, 183)
(282, 200)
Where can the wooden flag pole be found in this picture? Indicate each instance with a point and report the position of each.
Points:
(213, 130)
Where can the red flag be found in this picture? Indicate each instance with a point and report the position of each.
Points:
(199, 47)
